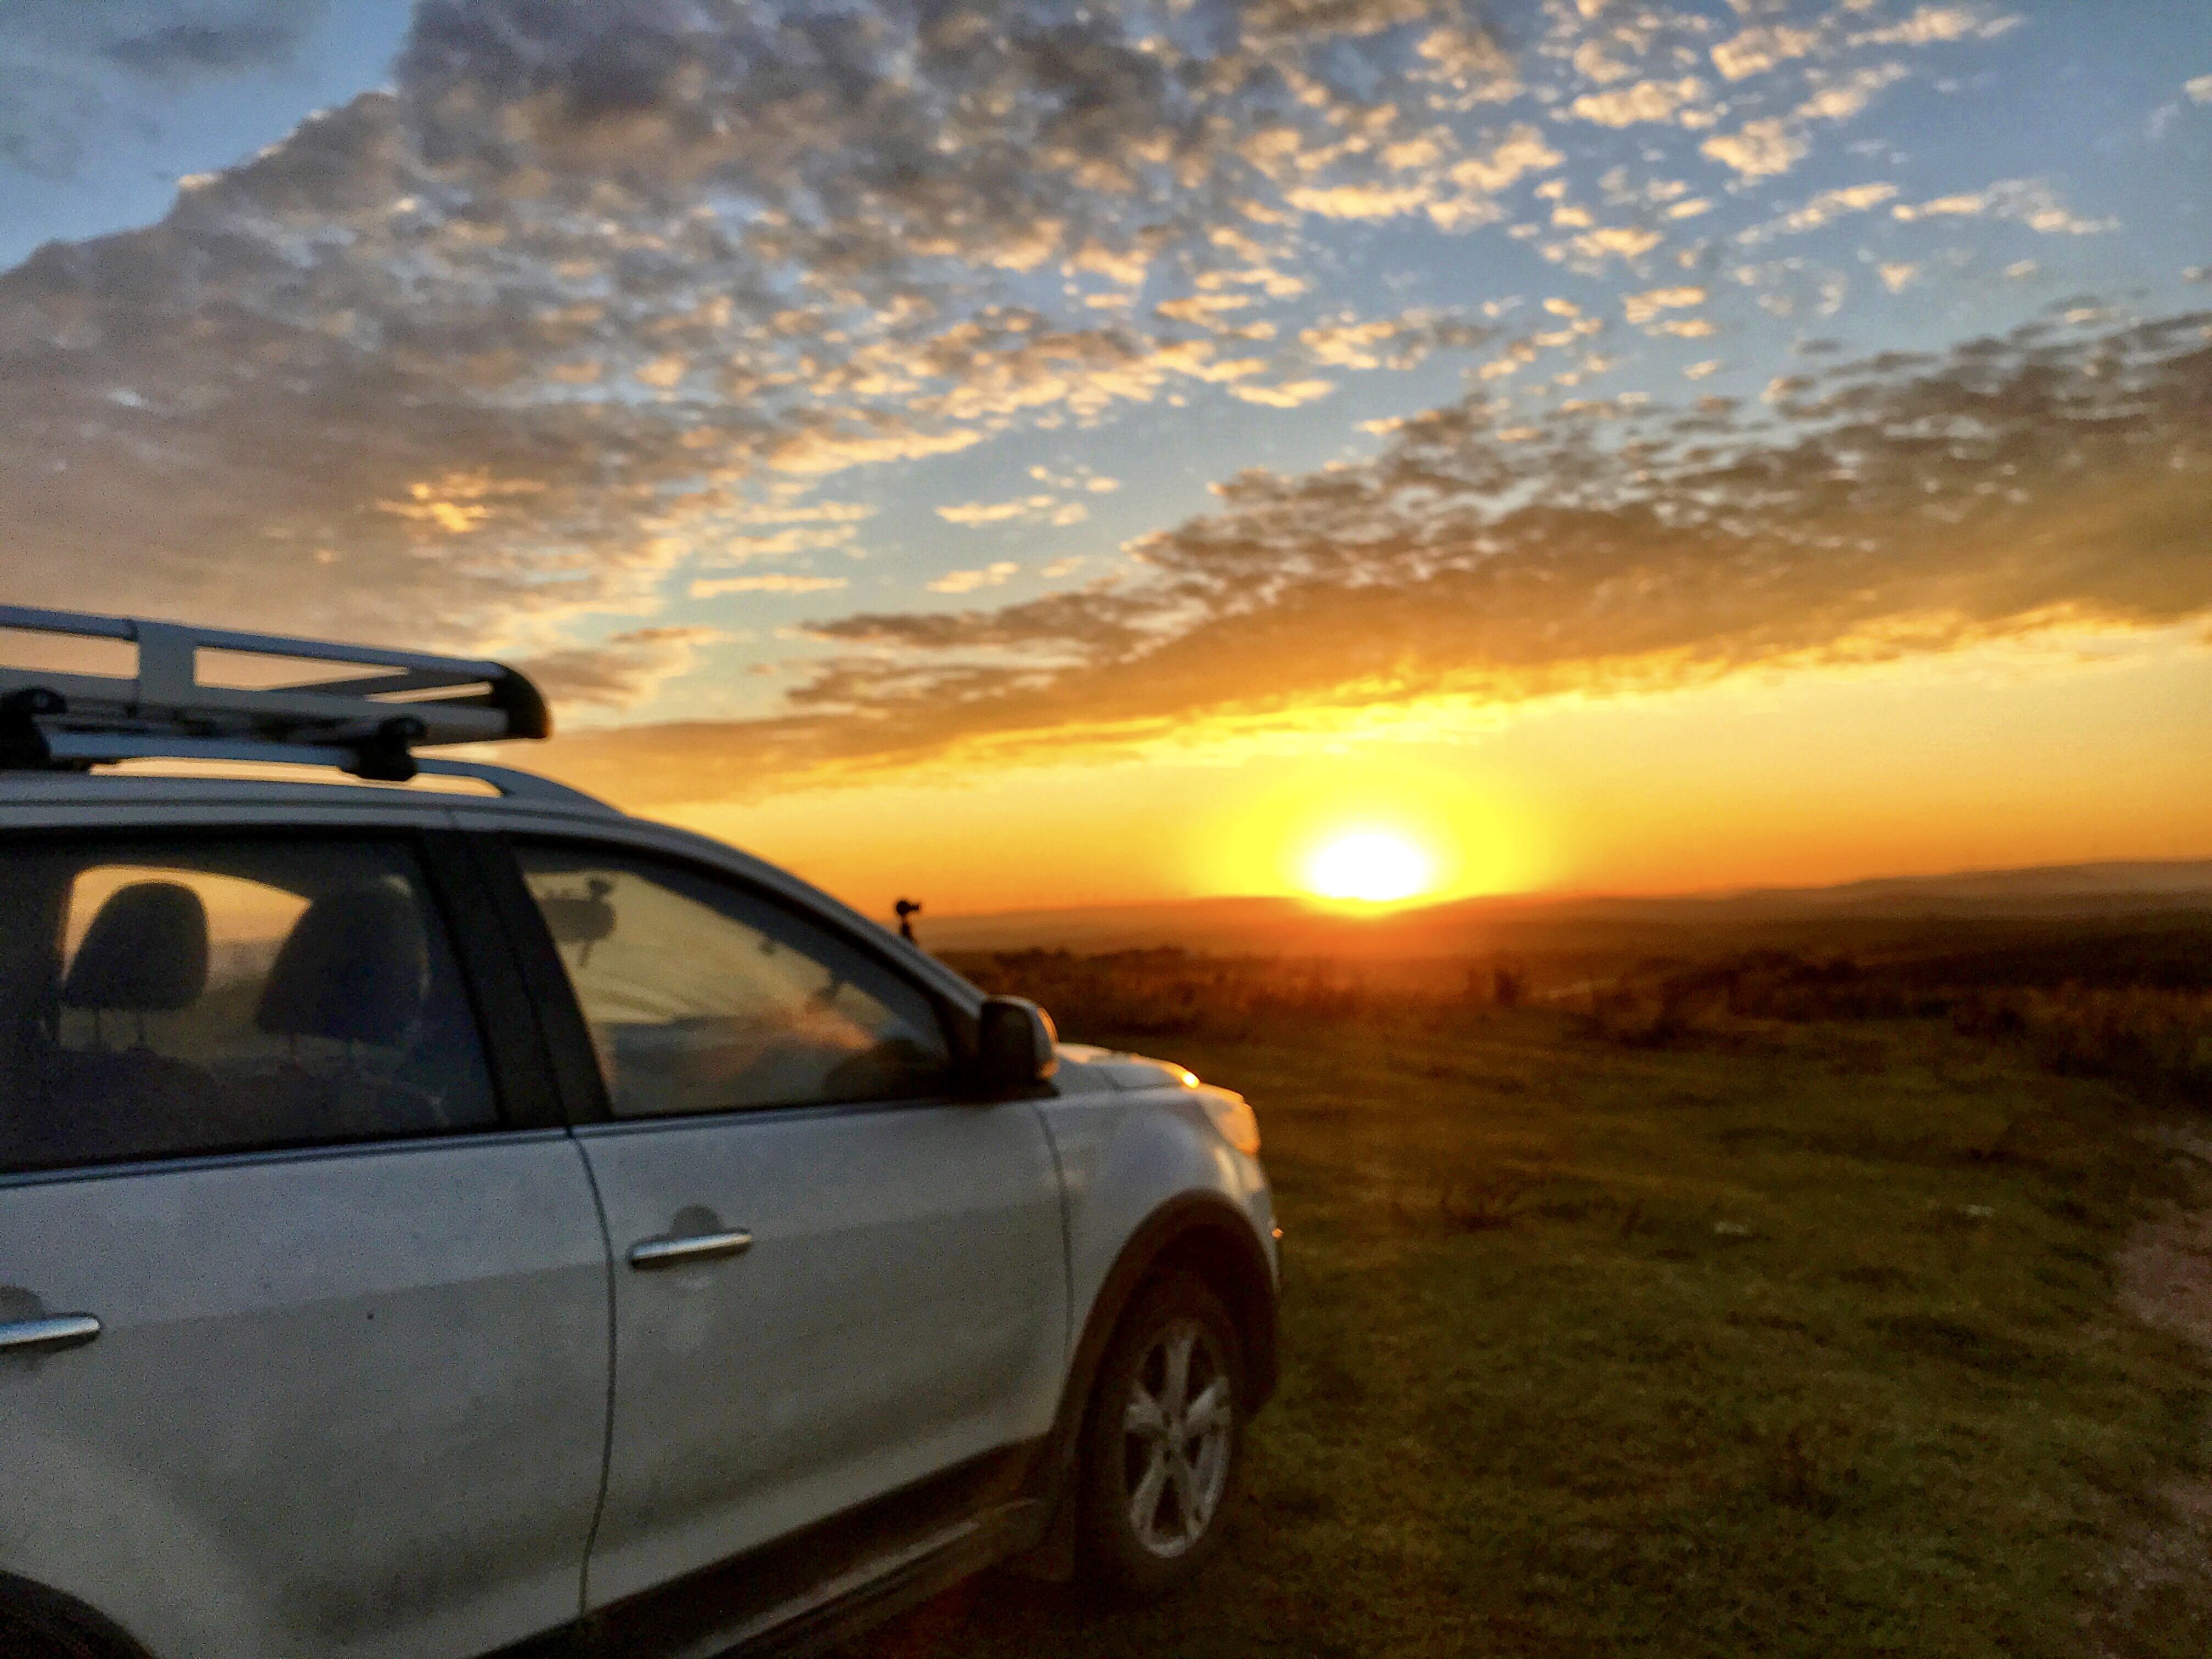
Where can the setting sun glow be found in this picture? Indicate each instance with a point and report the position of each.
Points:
(1373, 865)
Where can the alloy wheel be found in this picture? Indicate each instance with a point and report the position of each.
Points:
(1177, 1439)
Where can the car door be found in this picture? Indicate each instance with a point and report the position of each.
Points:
(303, 1326)
(834, 1280)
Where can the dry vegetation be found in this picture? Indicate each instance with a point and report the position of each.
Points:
(2131, 1005)
(1774, 1313)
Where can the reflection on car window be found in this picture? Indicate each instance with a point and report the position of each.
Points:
(157, 1000)
(702, 998)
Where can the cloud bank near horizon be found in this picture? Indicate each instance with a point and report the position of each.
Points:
(1875, 509)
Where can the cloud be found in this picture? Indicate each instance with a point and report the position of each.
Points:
(1399, 342)
(785, 543)
(784, 512)
(208, 40)
(1629, 241)
(1823, 208)
(2029, 202)
(624, 672)
(1519, 153)
(1456, 185)
(1754, 50)
(1647, 101)
(1351, 345)
(625, 265)
(2199, 89)
(1642, 308)
(1204, 309)
(1772, 146)
(592, 304)
(1759, 150)
(1839, 98)
(1482, 563)
(1048, 510)
(1360, 201)
(1288, 395)
(1931, 25)
(775, 583)
(1080, 476)
(967, 581)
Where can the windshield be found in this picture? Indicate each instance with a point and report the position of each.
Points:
(1642, 446)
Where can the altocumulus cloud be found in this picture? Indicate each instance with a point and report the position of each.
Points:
(1900, 504)
(579, 311)
(514, 342)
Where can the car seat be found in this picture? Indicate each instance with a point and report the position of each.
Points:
(353, 973)
(146, 952)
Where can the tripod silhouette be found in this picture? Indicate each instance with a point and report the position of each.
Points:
(907, 909)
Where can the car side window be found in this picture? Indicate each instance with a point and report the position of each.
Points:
(702, 997)
(169, 998)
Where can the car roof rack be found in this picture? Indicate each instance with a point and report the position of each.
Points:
(366, 723)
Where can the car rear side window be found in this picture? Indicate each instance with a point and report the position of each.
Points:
(702, 997)
(163, 999)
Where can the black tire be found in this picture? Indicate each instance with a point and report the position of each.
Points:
(37, 1628)
(1191, 1459)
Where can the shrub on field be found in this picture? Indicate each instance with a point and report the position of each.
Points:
(1172, 991)
(2157, 1043)
(2155, 1038)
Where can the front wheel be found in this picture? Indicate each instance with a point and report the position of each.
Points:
(1163, 1441)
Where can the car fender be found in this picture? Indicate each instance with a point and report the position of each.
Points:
(1148, 1180)
(1126, 1156)
(1145, 1174)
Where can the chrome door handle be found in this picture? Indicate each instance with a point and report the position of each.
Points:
(695, 1247)
(55, 1331)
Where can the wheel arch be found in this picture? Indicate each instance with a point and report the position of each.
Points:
(1202, 1234)
(1199, 1233)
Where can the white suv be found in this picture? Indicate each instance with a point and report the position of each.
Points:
(434, 1222)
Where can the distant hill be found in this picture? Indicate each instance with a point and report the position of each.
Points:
(1859, 911)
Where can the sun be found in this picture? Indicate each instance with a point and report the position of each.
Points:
(1377, 865)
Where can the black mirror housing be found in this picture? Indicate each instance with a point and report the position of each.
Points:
(1015, 1047)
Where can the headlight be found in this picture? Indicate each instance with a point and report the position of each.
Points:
(1235, 1119)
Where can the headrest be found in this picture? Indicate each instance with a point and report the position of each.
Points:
(351, 971)
(146, 951)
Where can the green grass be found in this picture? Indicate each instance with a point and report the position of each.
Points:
(1799, 1341)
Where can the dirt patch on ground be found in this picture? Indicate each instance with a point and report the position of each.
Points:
(2161, 1578)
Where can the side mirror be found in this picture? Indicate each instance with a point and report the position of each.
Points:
(1014, 1047)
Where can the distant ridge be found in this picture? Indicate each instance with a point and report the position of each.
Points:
(1283, 925)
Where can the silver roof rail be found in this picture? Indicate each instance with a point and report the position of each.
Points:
(365, 723)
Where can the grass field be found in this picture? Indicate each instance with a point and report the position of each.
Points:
(1779, 1339)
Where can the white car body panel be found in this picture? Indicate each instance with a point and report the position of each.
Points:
(1125, 1152)
(893, 1247)
(889, 1321)
(345, 1402)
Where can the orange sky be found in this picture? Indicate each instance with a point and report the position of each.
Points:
(1991, 757)
(1097, 457)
